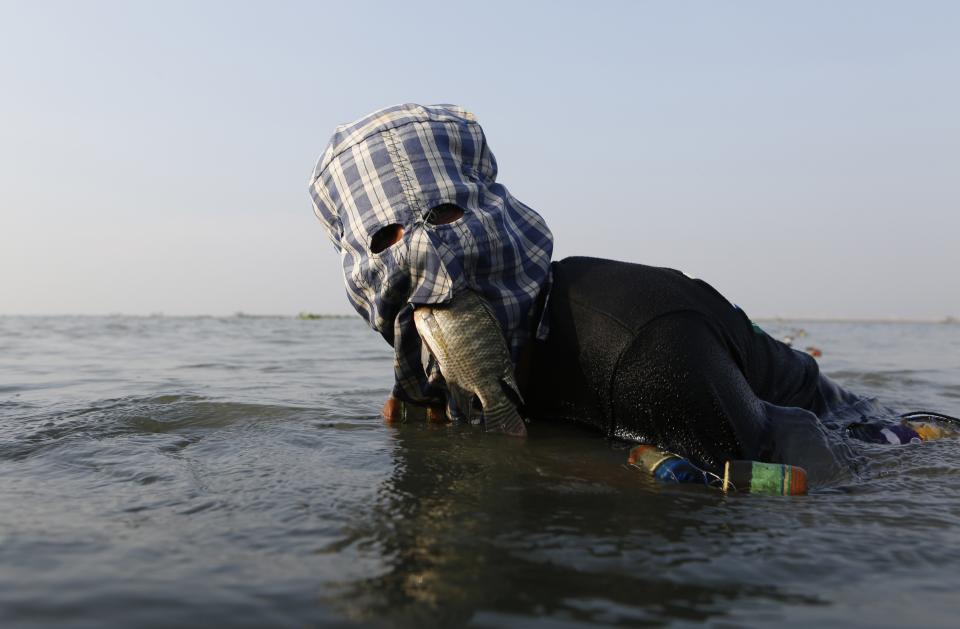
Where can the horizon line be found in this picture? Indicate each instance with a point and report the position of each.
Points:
(306, 316)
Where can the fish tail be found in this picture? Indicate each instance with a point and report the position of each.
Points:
(504, 419)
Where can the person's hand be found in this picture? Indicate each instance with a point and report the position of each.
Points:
(397, 411)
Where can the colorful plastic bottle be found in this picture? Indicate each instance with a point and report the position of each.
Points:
(764, 478)
(667, 467)
(749, 476)
(929, 431)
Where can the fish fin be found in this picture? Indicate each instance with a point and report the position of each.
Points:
(508, 382)
(460, 404)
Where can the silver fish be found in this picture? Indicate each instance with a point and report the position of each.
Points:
(465, 339)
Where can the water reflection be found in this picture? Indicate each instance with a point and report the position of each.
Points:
(472, 527)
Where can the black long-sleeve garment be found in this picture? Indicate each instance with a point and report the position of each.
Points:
(650, 355)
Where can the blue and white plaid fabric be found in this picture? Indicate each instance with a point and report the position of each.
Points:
(392, 167)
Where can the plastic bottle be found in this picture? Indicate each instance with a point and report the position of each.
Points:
(668, 467)
(755, 477)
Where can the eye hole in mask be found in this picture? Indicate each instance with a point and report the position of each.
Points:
(386, 237)
(444, 214)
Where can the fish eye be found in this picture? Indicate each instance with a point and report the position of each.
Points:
(386, 237)
(444, 214)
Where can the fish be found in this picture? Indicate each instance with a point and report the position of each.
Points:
(465, 339)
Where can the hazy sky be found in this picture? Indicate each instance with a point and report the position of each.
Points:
(803, 157)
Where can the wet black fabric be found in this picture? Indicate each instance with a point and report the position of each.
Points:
(650, 355)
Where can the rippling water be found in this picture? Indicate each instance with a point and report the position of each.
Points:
(234, 472)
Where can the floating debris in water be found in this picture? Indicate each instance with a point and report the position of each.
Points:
(755, 477)
(931, 426)
(745, 476)
(668, 467)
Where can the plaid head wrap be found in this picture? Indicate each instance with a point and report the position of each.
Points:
(393, 167)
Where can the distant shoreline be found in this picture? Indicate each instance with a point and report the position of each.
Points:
(948, 320)
(310, 316)
(160, 315)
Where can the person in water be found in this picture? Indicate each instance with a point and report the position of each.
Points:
(409, 197)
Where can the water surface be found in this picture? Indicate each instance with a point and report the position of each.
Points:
(234, 472)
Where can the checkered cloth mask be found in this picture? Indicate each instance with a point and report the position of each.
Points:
(393, 167)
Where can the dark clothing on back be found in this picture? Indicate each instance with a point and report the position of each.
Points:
(648, 354)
